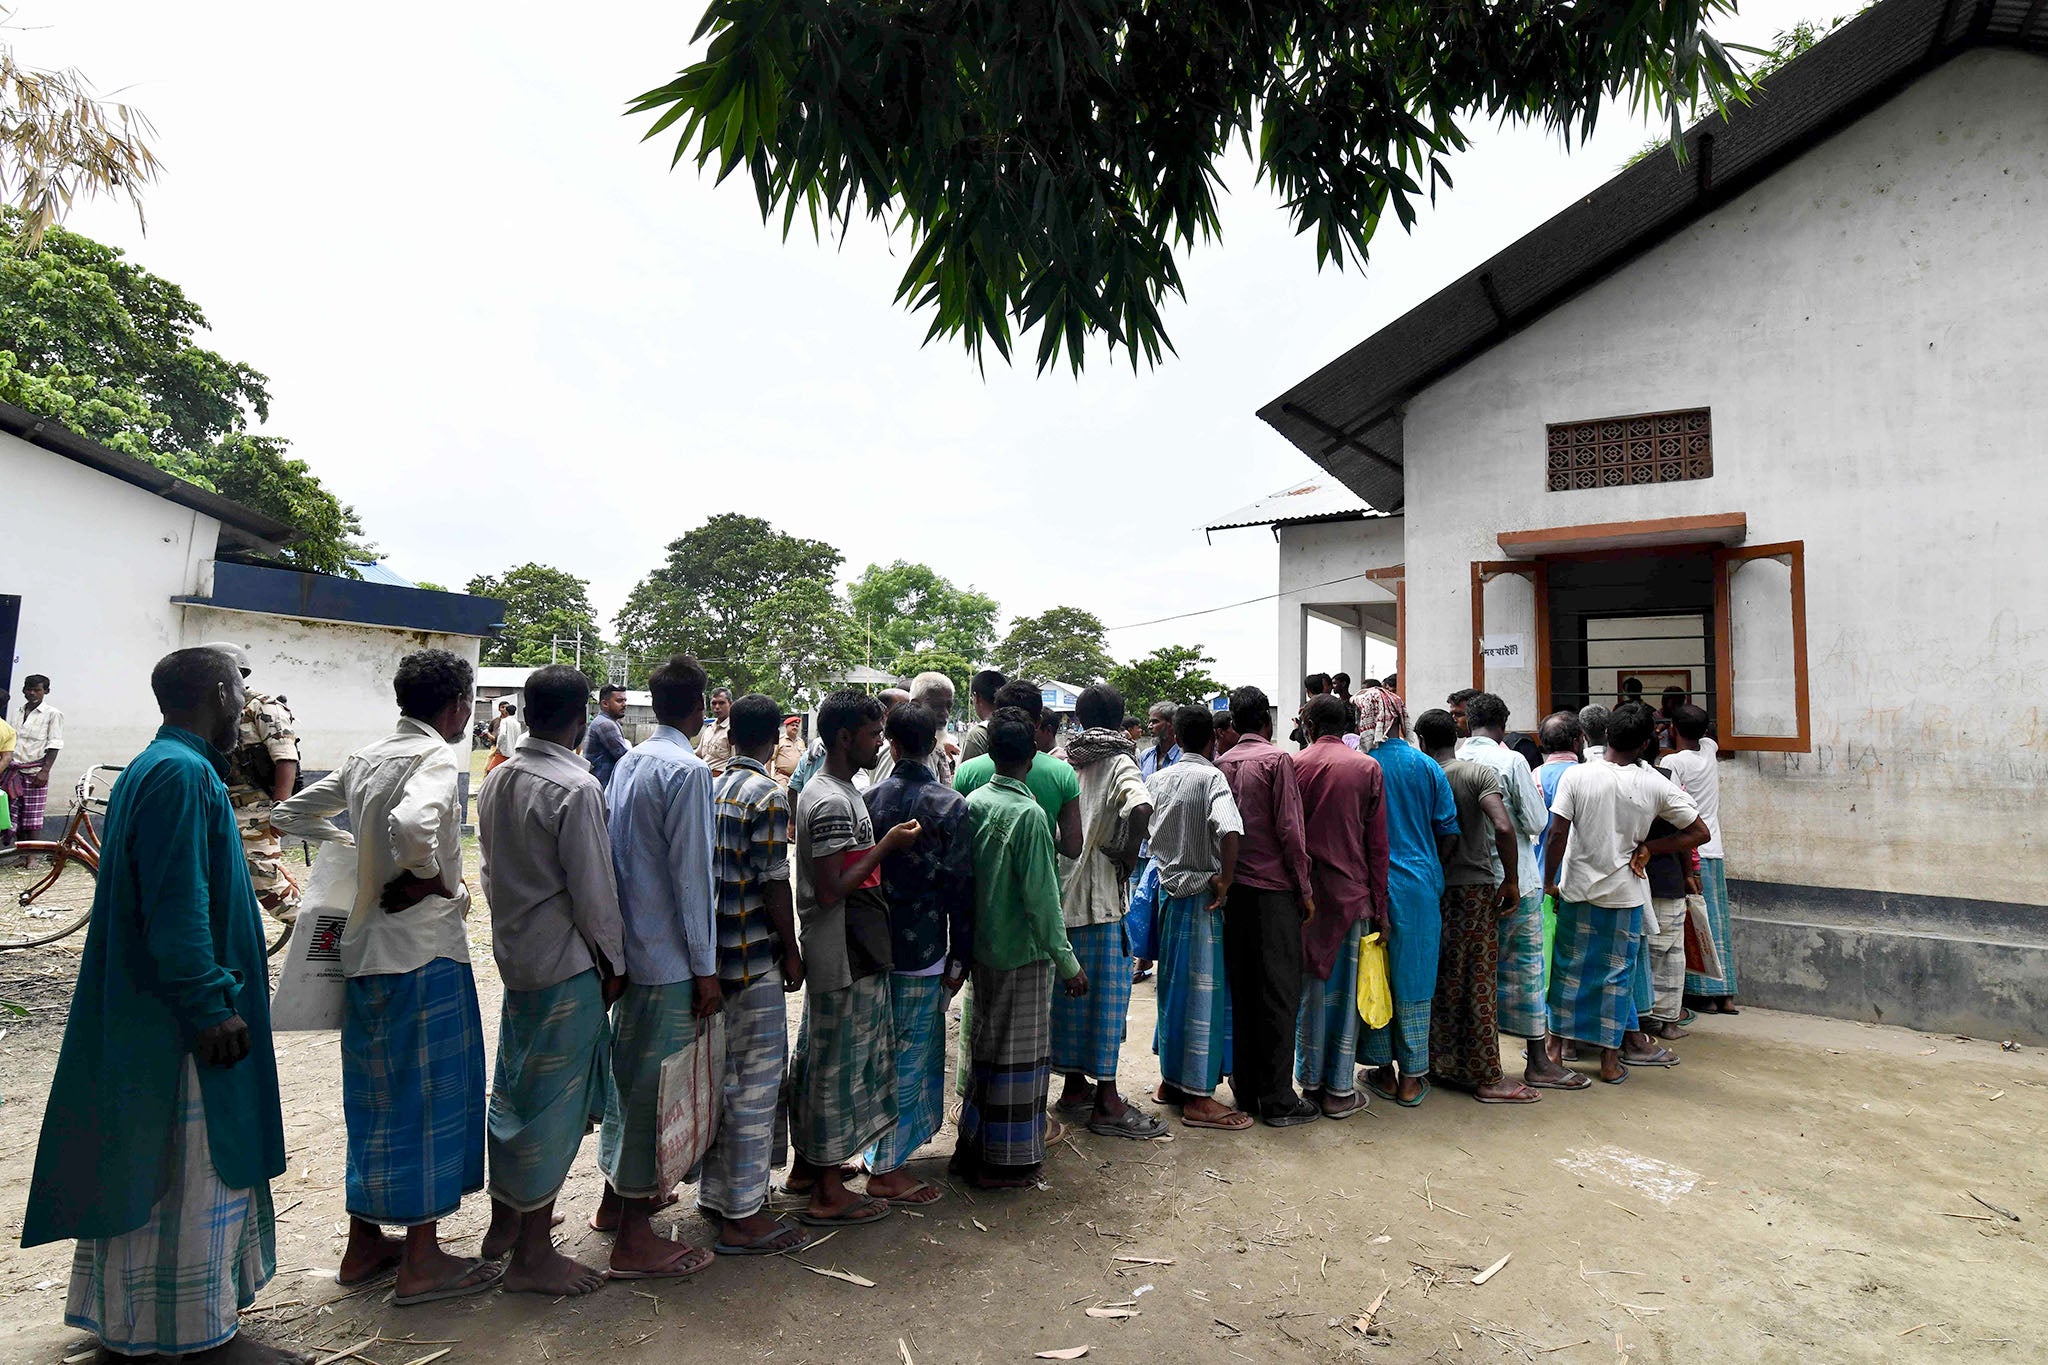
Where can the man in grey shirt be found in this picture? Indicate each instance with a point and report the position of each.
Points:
(557, 937)
(982, 688)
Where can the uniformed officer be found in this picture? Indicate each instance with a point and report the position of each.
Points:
(262, 771)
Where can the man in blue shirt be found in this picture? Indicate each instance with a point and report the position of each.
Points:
(661, 832)
(604, 744)
(1164, 753)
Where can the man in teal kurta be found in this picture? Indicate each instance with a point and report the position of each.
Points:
(163, 1129)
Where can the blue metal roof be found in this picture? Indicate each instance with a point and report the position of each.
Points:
(373, 571)
(271, 591)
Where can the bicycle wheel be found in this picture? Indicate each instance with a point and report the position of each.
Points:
(45, 893)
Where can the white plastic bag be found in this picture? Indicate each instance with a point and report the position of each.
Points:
(309, 988)
(692, 1082)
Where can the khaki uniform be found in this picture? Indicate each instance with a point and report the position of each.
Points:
(268, 736)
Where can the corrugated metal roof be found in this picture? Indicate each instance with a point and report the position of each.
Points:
(1320, 499)
(1347, 415)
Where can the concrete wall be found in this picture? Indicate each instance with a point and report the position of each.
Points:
(336, 678)
(96, 611)
(1868, 328)
(1311, 557)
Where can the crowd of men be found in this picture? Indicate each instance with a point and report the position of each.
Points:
(636, 893)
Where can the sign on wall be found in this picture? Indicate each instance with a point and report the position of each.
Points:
(1505, 651)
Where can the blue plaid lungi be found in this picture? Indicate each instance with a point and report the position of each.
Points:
(1519, 982)
(1326, 1034)
(919, 1004)
(1714, 887)
(734, 1180)
(1405, 1039)
(549, 1087)
(1593, 981)
(1192, 1035)
(1002, 1122)
(1088, 1030)
(650, 1024)
(842, 1079)
(176, 1284)
(412, 1092)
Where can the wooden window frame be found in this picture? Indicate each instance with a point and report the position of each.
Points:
(1538, 574)
(1726, 558)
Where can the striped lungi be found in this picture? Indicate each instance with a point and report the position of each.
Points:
(412, 1092)
(1714, 887)
(1002, 1123)
(650, 1024)
(178, 1283)
(1592, 980)
(550, 1085)
(1192, 1035)
(1665, 951)
(842, 1080)
(1464, 1019)
(1326, 1033)
(734, 1179)
(1088, 1030)
(918, 1004)
(1404, 1039)
(1520, 984)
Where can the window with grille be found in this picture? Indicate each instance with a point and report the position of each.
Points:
(1610, 452)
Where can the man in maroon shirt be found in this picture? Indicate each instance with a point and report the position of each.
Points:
(1344, 812)
(1262, 920)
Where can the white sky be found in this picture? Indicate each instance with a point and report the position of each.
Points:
(496, 323)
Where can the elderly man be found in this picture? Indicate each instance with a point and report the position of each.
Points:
(163, 1131)
(412, 1037)
(934, 692)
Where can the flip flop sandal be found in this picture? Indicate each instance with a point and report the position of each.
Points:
(460, 1287)
(910, 1199)
(1054, 1131)
(1688, 1017)
(784, 1239)
(1576, 1082)
(1531, 1098)
(1415, 1103)
(1222, 1125)
(1076, 1107)
(1132, 1123)
(876, 1211)
(690, 1265)
(1383, 1093)
(1663, 1056)
(1358, 1107)
(1616, 1081)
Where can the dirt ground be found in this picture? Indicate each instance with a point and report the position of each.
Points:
(1798, 1190)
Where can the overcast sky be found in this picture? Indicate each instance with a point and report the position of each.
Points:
(497, 324)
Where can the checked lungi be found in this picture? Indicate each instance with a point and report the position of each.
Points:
(1665, 950)
(412, 1092)
(735, 1176)
(550, 1085)
(1326, 1035)
(918, 1004)
(1002, 1123)
(1088, 1030)
(30, 809)
(1592, 979)
(1464, 1021)
(1192, 1034)
(650, 1024)
(178, 1283)
(1714, 888)
(1405, 1039)
(1522, 1011)
(842, 1080)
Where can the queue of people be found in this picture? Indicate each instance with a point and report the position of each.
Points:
(713, 870)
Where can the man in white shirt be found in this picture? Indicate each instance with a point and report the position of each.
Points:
(38, 735)
(412, 1050)
(505, 735)
(1594, 858)
(1695, 766)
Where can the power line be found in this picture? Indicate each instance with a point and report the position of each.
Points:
(1248, 602)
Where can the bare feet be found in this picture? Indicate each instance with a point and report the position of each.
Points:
(371, 1255)
(1669, 1030)
(1075, 1094)
(1722, 1004)
(428, 1268)
(1611, 1069)
(502, 1233)
(758, 1229)
(606, 1219)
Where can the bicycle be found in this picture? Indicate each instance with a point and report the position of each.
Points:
(39, 909)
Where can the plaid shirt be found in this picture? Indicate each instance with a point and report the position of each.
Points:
(751, 815)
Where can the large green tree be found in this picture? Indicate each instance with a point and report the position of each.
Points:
(103, 346)
(1064, 643)
(542, 605)
(1175, 673)
(802, 637)
(907, 608)
(1049, 160)
(711, 598)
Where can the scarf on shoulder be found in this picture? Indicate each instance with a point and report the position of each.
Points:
(1380, 713)
(1093, 745)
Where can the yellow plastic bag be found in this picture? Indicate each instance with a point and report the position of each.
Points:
(1375, 996)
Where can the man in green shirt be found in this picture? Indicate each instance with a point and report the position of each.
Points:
(1020, 938)
(1050, 780)
(163, 1130)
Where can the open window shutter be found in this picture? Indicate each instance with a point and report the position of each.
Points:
(1760, 648)
(1519, 618)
